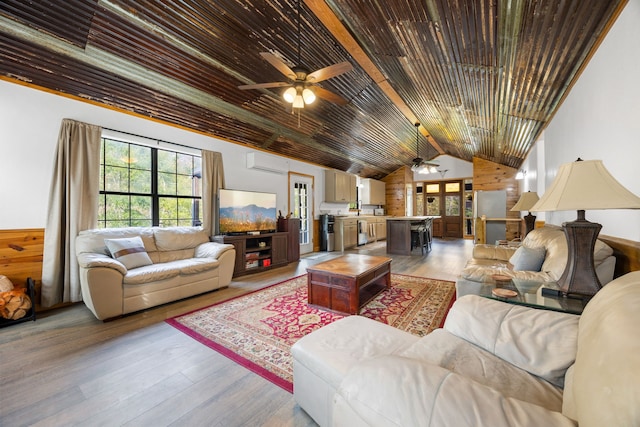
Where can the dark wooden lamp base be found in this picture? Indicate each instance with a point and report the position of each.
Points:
(529, 222)
(579, 276)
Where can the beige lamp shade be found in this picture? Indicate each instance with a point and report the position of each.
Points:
(526, 201)
(585, 185)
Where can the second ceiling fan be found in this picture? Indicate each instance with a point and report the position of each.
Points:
(302, 88)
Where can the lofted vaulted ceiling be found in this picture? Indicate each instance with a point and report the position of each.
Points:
(483, 77)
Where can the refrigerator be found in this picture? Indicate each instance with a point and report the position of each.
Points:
(492, 204)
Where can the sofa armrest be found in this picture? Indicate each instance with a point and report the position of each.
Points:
(92, 260)
(212, 249)
(541, 342)
(500, 253)
(398, 391)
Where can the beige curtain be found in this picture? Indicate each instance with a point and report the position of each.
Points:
(73, 206)
(212, 181)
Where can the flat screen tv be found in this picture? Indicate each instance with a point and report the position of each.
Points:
(243, 212)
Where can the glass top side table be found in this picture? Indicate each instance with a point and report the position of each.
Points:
(530, 293)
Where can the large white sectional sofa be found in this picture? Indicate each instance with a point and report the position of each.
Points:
(493, 364)
(490, 260)
(183, 263)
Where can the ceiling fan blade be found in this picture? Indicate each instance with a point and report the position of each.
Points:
(330, 71)
(279, 64)
(264, 85)
(329, 96)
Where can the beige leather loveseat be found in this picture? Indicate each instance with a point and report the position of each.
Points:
(493, 364)
(548, 242)
(170, 264)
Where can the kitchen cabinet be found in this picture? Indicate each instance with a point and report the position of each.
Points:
(373, 192)
(339, 187)
(381, 228)
(346, 233)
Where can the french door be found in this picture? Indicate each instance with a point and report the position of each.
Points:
(442, 198)
(301, 206)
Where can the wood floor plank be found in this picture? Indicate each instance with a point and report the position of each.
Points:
(68, 368)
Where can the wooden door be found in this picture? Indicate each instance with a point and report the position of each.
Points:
(452, 209)
(444, 199)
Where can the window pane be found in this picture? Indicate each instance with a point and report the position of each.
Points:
(116, 179)
(166, 161)
(185, 164)
(452, 187)
(117, 207)
(452, 205)
(433, 206)
(116, 153)
(141, 208)
(197, 166)
(168, 212)
(433, 188)
(140, 181)
(167, 184)
(141, 157)
(117, 223)
(185, 185)
(419, 204)
(185, 208)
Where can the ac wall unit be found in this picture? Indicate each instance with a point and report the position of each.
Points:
(267, 163)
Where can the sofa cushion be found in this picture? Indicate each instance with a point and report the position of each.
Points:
(397, 391)
(151, 273)
(129, 251)
(178, 238)
(528, 259)
(444, 349)
(541, 342)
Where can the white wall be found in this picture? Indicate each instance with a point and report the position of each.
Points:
(455, 167)
(29, 124)
(600, 119)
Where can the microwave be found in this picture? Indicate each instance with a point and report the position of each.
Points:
(378, 212)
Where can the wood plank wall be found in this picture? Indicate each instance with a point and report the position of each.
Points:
(627, 253)
(21, 256)
(395, 191)
(491, 176)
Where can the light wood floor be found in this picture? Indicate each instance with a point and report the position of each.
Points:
(67, 368)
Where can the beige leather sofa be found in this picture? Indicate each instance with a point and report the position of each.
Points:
(183, 263)
(493, 364)
(489, 260)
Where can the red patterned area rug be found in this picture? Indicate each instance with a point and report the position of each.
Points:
(258, 329)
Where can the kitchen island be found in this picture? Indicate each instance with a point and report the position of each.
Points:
(399, 232)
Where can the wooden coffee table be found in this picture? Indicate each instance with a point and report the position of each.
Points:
(347, 283)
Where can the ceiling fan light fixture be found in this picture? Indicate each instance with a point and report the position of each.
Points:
(308, 96)
(289, 95)
(298, 101)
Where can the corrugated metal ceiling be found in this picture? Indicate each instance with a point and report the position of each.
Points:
(483, 77)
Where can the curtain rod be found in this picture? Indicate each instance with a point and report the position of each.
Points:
(159, 141)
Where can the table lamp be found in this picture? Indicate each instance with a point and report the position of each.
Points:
(526, 201)
(583, 185)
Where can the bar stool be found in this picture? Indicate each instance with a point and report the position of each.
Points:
(428, 233)
(419, 235)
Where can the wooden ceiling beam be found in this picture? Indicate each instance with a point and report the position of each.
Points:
(324, 13)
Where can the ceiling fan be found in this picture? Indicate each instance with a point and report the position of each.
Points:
(419, 164)
(301, 83)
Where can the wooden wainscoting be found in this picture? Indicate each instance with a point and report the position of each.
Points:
(21, 256)
(627, 253)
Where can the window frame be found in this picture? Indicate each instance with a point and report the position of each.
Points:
(154, 194)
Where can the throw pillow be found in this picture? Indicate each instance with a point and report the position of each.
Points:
(528, 259)
(129, 251)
